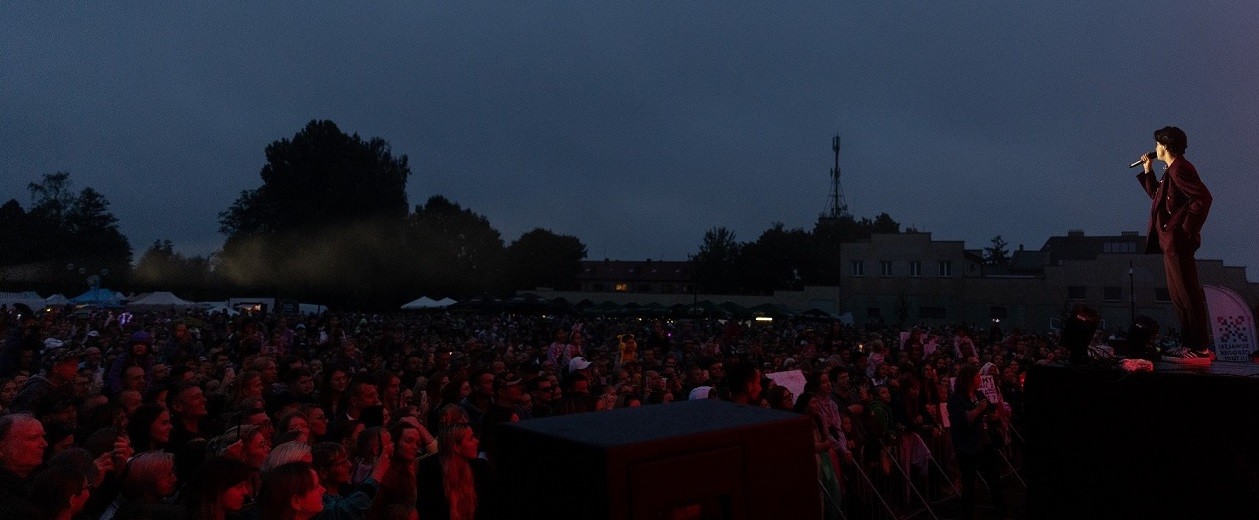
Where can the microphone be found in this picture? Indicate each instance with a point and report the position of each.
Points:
(1138, 163)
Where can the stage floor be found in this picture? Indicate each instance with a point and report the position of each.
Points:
(1218, 368)
(1178, 442)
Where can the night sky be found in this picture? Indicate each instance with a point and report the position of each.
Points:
(638, 126)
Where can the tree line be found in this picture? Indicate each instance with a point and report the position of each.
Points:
(330, 223)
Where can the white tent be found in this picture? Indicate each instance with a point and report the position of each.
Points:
(423, 302)
(28, 298)
(56, 300)
(446, 302)
(161, 299)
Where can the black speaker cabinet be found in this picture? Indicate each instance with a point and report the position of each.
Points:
(1078, 332)
(690, 460)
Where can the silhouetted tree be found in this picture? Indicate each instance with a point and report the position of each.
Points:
(716, 264)
(775, 261)
(822, 266)
(326, 223)
(453, 250)
(13, 230)
(52, 198)
(161, 268)
(63, 238)
(782, 258)
(997, 253)
(94, 233)
(541, 258)
(320, 179)
(883, 223)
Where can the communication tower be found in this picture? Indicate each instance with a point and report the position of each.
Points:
(836, 205)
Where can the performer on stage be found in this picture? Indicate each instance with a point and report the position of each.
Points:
(1180, 206)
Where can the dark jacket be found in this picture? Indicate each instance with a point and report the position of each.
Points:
(15, 497)
(1179, 206)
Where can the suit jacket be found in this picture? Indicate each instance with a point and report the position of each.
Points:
(1179, 207)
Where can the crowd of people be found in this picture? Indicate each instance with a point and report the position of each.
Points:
(113, 415)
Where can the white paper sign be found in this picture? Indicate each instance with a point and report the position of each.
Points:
(989, 388)
(792, 380)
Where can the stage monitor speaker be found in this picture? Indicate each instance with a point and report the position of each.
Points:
(690, 460)
(1077, 332)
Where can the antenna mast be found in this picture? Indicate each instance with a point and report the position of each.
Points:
(837, 206)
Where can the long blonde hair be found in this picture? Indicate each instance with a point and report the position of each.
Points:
(457, 479)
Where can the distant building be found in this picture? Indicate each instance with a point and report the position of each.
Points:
(628, 276)
(909, 278)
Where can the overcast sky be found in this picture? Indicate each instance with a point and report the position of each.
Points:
(638, 126)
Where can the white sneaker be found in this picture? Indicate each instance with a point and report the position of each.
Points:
(1186, 356)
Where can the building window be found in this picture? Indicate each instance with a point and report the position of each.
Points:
(1119, 247)
(858, 268)
(1161, 295)
(622, 287)
(1112, 294)
(1077, 292)
(932, 313)
(915, 268)
(946, 268)
(885, 268)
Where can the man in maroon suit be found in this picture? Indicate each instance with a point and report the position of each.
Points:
(1180, 206)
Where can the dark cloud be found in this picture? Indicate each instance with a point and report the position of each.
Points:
(638, 127)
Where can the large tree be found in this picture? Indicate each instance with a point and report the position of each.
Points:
(541, 258)
(95, 233)
(13, 230)
(162, 268)
(775, 261)
(781, 258)
(326, 222)
(716, 264)
(65, 237)
(454, 251)
(884, 224)
(321, 178)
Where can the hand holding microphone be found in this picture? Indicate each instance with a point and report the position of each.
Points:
(1148, 156)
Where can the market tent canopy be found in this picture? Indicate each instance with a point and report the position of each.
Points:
(28, 299)
(483, 304)
(163, 300)
(424, 302)
(99, 296)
